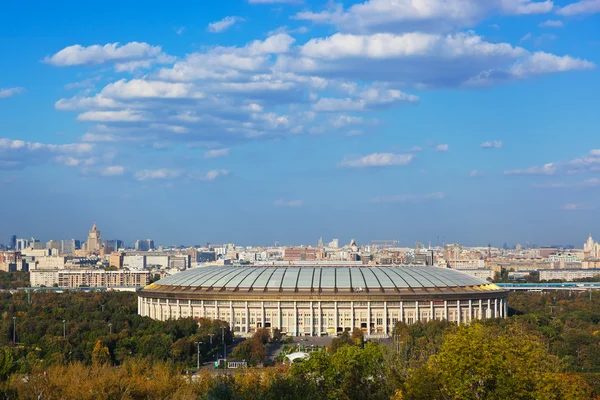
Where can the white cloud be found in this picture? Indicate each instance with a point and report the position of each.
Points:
(224, 24)
(410, 15)
(403, 198)
(112, 170)
(544, 63)
(344, 120)
(111, 116)
(496, 144)
(475, 173)
(215, 153)
(157, 174)
(526, 37)
(288, 203)
(141, 88)
(209, 175)
(547, 169)
(97, 54)
(4, 93)
(442, 147)
(551, 24)
(378, 160)
(581, 7)
(20, 154)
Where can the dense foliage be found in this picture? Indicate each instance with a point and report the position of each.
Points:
(98, 326)
(13, 280)
(546, 350)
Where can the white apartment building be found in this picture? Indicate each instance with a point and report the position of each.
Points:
(481, 273)
(45, 278)
(467, 264)
(50, 262)
(568, 274)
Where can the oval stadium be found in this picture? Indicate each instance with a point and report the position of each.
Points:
(322, 300)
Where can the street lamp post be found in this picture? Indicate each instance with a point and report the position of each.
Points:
(198, 362)
(64, 328)
(224, 344)
(14, 329)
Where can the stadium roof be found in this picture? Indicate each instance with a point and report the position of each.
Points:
(318, 279)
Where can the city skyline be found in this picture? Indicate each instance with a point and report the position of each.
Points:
(149, 244)
(260, 121)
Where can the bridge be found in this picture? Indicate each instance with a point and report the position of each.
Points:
(538, 287)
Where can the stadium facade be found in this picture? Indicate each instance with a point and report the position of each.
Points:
(322, 300)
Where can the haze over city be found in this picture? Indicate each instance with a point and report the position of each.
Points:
(261, 121)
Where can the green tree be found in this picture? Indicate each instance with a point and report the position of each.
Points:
(489, 362)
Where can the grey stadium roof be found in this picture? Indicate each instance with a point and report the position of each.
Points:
(318, 279)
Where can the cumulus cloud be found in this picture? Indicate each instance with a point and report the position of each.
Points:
(409, 15)
(581, 7)
(8, 92)
(20, 154)
(496, 144)
(112, 170)
(403, 198)
(142, 88)
(224, 24)
(377, 160)
(97, 54)
(442, 147)
(551, 24)
(547, 169)
(288, 203)
(111, 116)
(215, 153)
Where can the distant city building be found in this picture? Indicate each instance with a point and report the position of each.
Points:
(591, 249)
(568, 274)
(299, 254)
(545, 252)
(114, 244)
(565, 258)
(12, 245)
(134, 261)
(49, 262)
(21, 244)
(69, 246)
(466, 264)
(53, 245)
(90, 278)
(116, 259)
(94, 241)
(481, 273)
(144, 245)
(35, 244)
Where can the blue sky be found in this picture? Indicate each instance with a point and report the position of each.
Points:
(256, 121)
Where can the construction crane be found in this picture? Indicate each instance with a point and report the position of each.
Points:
(418, 247)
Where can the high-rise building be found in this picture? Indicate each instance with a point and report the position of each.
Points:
(53, 245)
(94, 241)
(13, 242)
(69, 246)
(114, 244)
(144, 245)
(21, 244)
